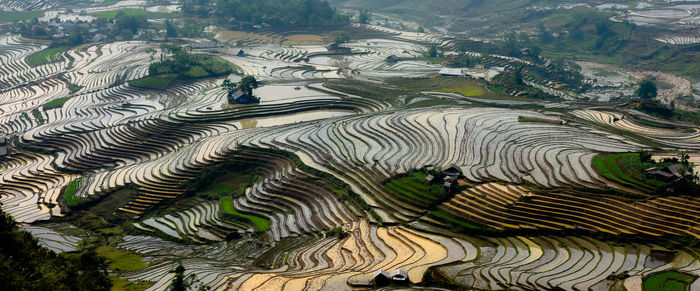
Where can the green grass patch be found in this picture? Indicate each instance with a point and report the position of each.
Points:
(627, 169)
(112, 230)
(260, 224)
(14, 16)
(538, 120)
(109, 3)
(37, 115)
(45, 56)
(158, 82)
(120, 284)
(73, 87)
(69, 195)
(120, 260)
(654, 124)
(113, 14)
(414, 189)
(464, 86)
(197, 72)
(218, 190)
(56, 103)
(667, 281)
(451, 219)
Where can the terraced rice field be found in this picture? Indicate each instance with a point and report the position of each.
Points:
(335, 192)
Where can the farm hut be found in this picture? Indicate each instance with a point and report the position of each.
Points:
(453, 170)
(3, 151)
(240, 97)
(666, 174)
(240, 53)
(429, 178)
(452, 72)
(399, 276)
(380, 278)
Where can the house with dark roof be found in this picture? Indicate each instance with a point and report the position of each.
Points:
(380, 278)
(240, 97)
(667, 174)
(453, 170)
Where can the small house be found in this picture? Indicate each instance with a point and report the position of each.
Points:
(666, 174)
(240, 97)
(452, 72)
(380, 278)
(240, 53)
(429, 178)
(453, 170)
(399, 276)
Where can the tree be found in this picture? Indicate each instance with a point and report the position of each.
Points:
(126, 34)
(511, 44)
(535, 52)
(647, 90)
(131, 22)
(518, 75)
(182, 283)
(247, 84)
(545, 35)
(24, 265)
(432, 52)
(340, 36)
(170, 29)
(364, 16)
(229, 86)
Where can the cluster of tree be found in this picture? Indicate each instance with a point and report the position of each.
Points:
(340, 36)
(433, 52)
(187, 65)
(514, 83)
(185, 283)
(647, 92)
(275, 13)
(463, 60)
(686, 185)
(188, 29)
(126, 25)
(364, 17)
(246, 85)
(24, 265)
(75, 35)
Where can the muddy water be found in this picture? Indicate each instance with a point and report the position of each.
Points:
(291, 118)
(273, 94)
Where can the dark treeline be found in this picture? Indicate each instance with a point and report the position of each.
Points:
(273, 13)
(24, 265)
